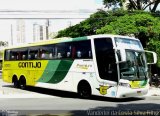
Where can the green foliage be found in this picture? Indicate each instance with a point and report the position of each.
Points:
(133, 4)
(3, 43)
(154, 45)
(110, 3)
(143, 26)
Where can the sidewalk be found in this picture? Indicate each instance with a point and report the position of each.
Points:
(10, 92)
(19, 94)
(153, 91)
(15, 94)
(24, 96)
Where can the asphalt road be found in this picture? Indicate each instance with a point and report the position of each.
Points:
(77, 106)
(47, 102)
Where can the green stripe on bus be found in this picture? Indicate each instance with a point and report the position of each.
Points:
(61, 71)
(80, 38)
(56, 71)
(49, 71)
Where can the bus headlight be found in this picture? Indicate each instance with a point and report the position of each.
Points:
(125, 84)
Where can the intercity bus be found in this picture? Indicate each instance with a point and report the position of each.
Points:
(102, 65)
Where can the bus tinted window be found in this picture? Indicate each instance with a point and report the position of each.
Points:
(63, 50)
(13, 55)
(46, 52)
(82, 49)
(33, 53)
(19, 54)
(7, 55)
(69, 50)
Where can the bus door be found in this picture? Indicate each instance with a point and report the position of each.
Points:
(106, 61)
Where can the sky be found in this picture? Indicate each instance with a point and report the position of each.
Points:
(50, 4)
(78, 6)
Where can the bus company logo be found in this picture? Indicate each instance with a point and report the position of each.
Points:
(29, 64)
(103, 89)
(83, 66)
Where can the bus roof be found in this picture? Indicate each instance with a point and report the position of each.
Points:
(69, 39)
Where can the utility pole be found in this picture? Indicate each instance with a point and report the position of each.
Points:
(11, 35)
(47, 29)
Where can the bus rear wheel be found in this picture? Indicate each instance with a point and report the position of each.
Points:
(15, 82)
(22, 82)
(84, 90)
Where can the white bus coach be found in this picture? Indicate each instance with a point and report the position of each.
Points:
(103, 65)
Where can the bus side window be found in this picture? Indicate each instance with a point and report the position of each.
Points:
(33, 53)
(29, 56)
(50, 56)
(43, 56)
(12, 57)
(68, 50)
(59, 55)
(83, 49)
(23, 57)
(46, 52)
(17, 57)
(32, 57)
(68, 54)
(79, 54)
(36, 56)
(7, 55)
(60, 50)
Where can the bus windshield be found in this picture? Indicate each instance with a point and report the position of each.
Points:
(128, 43)
(135, 67)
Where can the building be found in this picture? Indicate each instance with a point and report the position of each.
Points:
(40, 32)
(27, 31)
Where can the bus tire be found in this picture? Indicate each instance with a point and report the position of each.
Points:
(22, 82)
(84, 89)
(15, 82)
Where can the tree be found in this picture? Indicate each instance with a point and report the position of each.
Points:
(143, 26)
(134, 4)
(3, 43)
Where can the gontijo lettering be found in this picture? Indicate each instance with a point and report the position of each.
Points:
(29, 64)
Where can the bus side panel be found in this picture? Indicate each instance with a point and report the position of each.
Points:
(7, 72)
(85, 70)
(56, 75)
(31, 70)
(6, 75)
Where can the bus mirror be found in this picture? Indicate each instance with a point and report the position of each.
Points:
(123, 55)
(151, 57)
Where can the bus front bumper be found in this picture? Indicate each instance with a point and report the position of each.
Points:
(124, 92)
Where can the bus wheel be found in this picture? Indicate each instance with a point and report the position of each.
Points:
(15, 82)
(22, 82)
(84, 89)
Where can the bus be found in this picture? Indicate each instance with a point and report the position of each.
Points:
(102, 65)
